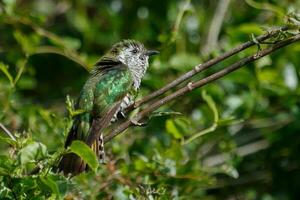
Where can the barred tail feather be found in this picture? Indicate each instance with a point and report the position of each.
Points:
(101, 151)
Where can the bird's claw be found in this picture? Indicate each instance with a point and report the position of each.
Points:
(123, 114)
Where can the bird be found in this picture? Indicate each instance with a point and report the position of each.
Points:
(111, 87)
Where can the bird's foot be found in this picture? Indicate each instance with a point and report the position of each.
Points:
(123, 114)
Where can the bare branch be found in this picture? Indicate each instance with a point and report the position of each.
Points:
(193, 85)
(215, 27)
(7, 132)
(201, 67)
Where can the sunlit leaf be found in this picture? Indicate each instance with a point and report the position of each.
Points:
(171, 128)
(32, 152)
(86, 153)
(7, 140)
(4, 69)
(51, 184)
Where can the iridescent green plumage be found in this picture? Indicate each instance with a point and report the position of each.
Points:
(115, 75)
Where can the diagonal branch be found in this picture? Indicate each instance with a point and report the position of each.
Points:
(193, 85)
(201, 67)
(7, 132)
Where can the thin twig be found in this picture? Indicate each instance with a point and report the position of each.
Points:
(201, 67)
(5, 130)
(193, 85)
(182, 11)
(215, 27)
(63, 52)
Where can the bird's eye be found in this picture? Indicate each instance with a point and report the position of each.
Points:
(134, 51)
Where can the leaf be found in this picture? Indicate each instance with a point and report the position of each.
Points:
(7, 140)
(86, 153)
(51, 184)
(171, 128)
(21, 66)
(211, 104)
(71, 43)
(9, 6)
(229, 121)
(32, 152)
(27, 42)
(249, 28)
(70, 107)
(266, 6)
(4, 68)
(6, 165)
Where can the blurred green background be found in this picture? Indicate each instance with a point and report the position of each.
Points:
(47, 48)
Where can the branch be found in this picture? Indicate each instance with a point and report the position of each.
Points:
(215, 27)
(201, 67)
(5, 130)
(193, 85)
(63, 52)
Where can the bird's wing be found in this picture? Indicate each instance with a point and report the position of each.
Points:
(103, 90)
(100, 98)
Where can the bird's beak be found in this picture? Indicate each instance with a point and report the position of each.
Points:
(152, 52)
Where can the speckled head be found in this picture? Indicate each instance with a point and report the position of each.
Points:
(134, 55)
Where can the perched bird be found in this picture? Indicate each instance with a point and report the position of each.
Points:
(109, 90)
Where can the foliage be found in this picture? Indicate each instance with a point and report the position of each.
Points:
(237, 137)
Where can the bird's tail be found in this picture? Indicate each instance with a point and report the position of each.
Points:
(101, 151)
(72, 163)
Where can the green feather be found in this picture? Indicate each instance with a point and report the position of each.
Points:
(107, 85)
(99, 99)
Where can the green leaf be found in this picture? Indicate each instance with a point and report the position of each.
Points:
(4, 69)
(171, 128)
(71, 43)
(229, 121)
(266, 6)
(249, 28)
(9, 6)
(212, 105)
(27, 42)
(70, 108)
(86, 153)
(51, 184)
(6, 165)
(7, 140)
(32, 152)
(21, 65)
